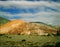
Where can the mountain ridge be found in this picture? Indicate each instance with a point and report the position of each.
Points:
(22, 27)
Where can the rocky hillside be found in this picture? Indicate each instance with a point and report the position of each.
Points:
(22, 27)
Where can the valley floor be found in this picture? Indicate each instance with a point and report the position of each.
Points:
(29, 41)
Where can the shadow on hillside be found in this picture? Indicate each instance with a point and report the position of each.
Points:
(56, 45)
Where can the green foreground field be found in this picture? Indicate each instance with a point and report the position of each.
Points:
(29, 41)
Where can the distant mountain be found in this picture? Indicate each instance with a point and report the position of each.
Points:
(3, 21)
(44, 24)
(22, 27)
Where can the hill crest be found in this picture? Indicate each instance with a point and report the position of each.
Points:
(22, 27)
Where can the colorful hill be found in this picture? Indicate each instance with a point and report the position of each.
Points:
(33, 40)
(22, 27)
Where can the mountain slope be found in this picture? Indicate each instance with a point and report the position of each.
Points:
(11, 27)
(22, 27)
(3, 21)
(44, 24)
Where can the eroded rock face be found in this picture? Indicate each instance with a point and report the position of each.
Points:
(11, 27)
(22, 27)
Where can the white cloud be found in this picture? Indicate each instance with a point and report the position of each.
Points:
(41, 5)
(47, 17)
(27, 4)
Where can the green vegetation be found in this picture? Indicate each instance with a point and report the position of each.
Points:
(27, 40)
(3, 20)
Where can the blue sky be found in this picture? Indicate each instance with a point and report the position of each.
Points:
(32, 11)
(32, 0)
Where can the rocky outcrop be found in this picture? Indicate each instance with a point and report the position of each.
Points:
(22, 27)
(11, 27)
